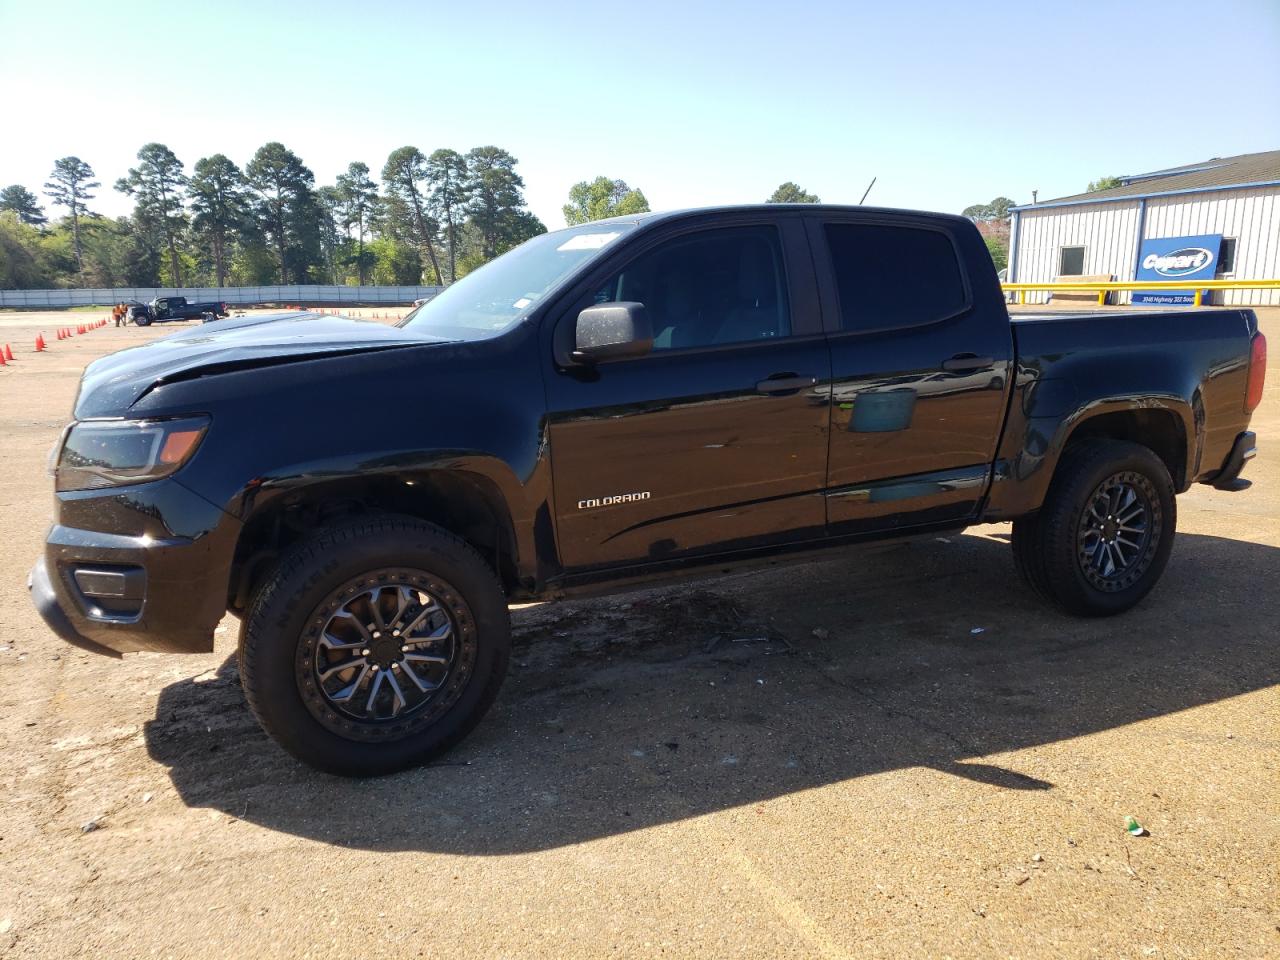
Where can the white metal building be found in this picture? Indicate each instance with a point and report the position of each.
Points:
(1104, 233)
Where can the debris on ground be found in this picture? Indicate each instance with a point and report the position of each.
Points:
(977, 630)
(89, 826)
(821, 633)
(1037, 857)
(1134, 828)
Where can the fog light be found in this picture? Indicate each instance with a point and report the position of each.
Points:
(116, 583)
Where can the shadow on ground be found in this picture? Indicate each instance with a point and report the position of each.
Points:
(638, 710)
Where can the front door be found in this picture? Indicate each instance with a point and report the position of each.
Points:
(715, 441)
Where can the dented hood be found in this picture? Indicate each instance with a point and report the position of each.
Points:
(113, 383)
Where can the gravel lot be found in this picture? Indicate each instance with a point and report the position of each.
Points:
(823, 761)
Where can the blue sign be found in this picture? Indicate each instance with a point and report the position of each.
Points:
(1176, 258)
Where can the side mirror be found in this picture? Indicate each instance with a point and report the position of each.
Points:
(612, 331)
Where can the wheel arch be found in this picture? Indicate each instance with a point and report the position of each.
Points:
(1169, 426)
(468, 504)
(1160, 429)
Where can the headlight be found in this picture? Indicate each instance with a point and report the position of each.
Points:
(113, 453)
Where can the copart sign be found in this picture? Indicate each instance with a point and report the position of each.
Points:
(1176, 258)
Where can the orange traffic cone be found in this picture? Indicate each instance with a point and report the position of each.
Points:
(39, 342)
(3, 361)
(8, 352)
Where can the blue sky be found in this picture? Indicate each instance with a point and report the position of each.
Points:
(947, 103)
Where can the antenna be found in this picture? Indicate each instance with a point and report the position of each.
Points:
(868, 190)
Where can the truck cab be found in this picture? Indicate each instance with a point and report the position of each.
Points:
(168, 308)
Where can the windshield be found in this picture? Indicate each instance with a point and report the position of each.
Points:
(495, 297)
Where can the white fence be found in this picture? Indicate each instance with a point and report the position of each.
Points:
(305, 294)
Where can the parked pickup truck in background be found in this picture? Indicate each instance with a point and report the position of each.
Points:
(661, 395)
(177, 308)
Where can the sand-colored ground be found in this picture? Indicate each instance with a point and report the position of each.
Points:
(894, 786)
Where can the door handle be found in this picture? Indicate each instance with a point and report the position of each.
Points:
(784, 383)
(966, 361)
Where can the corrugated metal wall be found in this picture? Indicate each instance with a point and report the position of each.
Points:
(1108, 232)
(1251, 216)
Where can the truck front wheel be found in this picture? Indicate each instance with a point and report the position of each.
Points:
(1103, 536)
(375, 646)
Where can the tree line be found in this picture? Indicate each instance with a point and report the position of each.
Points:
(429, 218)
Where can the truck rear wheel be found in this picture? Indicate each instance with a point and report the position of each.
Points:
(1103, 537)
(375, 646)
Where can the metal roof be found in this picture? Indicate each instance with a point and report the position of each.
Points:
(1248, 169)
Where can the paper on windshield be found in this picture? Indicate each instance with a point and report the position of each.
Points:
(587, 241)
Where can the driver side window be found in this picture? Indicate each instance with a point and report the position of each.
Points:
(716, 287)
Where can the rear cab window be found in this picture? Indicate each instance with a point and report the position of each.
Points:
(890, 276)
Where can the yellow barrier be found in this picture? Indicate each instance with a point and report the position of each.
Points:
(1199, 286)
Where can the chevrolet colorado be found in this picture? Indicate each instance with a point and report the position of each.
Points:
(659, 395)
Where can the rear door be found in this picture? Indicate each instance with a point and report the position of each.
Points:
(921, 356)
(717, 440)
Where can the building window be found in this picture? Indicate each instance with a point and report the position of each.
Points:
(1227, 256)
(1071, 262)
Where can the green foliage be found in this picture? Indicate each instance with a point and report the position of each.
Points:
(116, 256)
(19, 243)
(253, 265)
(20, 201)
(157, 184)
(997, 209)
(999, 250)
(1102, 183)
(448, 177)
(287, 209)
(792, 193)
(221, 209)
(404, 175)
(602, 198)
(71, 185)
(357, 197)
(496, 200)
(394, 263)
(269, 223)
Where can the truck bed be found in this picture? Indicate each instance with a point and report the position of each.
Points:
(1198, 354)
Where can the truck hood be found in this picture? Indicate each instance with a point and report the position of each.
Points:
(112, 384)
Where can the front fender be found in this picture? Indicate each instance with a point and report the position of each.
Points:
(400, 477)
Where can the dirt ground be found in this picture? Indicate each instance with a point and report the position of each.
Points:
(890, 754)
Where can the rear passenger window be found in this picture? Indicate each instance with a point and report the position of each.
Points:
(893, 276)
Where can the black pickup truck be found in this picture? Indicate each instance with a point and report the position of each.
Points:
(668, 394)
(177, 308)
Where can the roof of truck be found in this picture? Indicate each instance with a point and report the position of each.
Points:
(820, 208)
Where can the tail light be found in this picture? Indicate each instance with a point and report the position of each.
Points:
(1257, 373)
